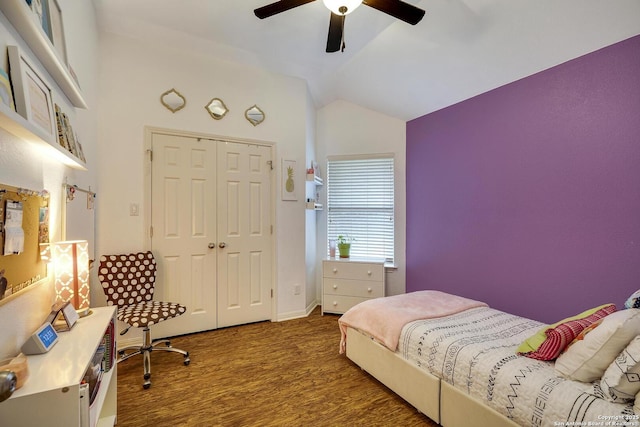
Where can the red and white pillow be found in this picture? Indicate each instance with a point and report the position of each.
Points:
(587, 360)
(561, 335)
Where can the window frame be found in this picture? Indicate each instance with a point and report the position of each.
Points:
(385, 250)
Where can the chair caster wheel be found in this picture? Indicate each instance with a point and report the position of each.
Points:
(187, 361)
(146, 385)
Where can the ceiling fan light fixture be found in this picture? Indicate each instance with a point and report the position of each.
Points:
(336, 6)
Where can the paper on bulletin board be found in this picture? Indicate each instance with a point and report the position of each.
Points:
(13, 232)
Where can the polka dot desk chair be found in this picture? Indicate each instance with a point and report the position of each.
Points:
(128, 281)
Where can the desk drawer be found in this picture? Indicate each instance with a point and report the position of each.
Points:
(354, 271)
(355, 288)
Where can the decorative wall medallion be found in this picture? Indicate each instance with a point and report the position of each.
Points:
(216, 108)
(173, 100)
(255, 115)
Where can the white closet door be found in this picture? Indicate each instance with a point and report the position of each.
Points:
(212, 231)
(245, 232)
(183, 217)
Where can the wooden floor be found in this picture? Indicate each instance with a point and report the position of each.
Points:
(263, 374)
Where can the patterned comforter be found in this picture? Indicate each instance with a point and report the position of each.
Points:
(475, 352)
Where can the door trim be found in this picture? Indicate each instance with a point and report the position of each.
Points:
(149, 131)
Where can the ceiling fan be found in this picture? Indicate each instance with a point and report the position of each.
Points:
(340, 8)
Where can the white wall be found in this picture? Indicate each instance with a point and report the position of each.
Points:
(133, 75)
(122, 80)
(22, 165)
(345, 128)
(312, 292)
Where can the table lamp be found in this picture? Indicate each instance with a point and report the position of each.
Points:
(71, 272)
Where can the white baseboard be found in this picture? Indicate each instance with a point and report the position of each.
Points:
(297, 314)
(136, 339)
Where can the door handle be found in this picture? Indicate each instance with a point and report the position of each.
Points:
(222, 245)
(212, 245)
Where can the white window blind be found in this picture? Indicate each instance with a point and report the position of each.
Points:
(360, 203)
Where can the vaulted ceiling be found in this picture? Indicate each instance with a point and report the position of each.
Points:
(460, 49)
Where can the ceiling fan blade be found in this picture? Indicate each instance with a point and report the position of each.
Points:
(336, 28)
(277, 7)
(398, 9)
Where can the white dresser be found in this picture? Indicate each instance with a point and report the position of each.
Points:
(347, 282)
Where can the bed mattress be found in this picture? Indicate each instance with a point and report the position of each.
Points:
(475, 352)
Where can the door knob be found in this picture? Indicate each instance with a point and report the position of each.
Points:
(212, 245)
(222, 245)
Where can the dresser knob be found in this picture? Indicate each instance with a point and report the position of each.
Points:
(335, 303)
(369, 290)
(369, 272)
(335, 270)
(335, 286)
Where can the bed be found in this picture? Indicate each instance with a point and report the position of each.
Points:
(459, 367)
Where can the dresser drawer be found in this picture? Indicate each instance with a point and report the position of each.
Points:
(356, 288)
(339, 303)
(353, 270)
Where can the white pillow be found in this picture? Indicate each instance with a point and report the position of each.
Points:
(587, 359)
(621, 380)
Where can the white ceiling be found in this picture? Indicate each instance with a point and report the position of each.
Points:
(460, 49)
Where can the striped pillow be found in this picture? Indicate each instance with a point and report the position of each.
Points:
(560, 336)
(534, 342)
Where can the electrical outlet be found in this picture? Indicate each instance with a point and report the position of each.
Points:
(296, 289)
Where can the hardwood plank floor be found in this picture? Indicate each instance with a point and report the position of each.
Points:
(262, 374)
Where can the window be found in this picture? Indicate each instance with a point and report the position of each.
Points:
(360, 203)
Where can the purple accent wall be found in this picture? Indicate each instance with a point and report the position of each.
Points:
(528, 196)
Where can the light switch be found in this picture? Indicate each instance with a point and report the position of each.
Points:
(134, 209)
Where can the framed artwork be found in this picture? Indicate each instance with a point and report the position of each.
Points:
(6, 94)
(63, 316)
(56, 28)
(289, 180)
(32, 94)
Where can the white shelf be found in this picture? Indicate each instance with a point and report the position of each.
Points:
(18, 126)
(51, 393)
(98, 403)
(65, 364)
(22, 19)
(314, 206)
(315, 179)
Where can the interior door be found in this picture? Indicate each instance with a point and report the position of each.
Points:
(183, 218)
(244, 233)
(212, 231)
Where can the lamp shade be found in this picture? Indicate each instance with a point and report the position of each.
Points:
(71, 270)
(335, 5)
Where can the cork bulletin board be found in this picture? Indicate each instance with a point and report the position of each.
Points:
(24, 218)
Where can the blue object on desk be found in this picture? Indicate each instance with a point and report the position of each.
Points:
(41, 340)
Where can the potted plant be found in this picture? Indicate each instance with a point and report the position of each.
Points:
(344, 245)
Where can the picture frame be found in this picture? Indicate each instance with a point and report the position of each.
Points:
(63, 316)
(40, 14)
(6, 94)
(56, 29)
(33, 95)
(289, 180)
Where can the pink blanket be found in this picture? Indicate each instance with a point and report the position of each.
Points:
(383, 318)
